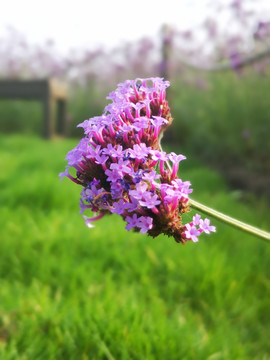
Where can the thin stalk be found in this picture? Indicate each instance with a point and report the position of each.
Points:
(225, 218)
(229, 220)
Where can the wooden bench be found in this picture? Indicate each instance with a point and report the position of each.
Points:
(50, 92)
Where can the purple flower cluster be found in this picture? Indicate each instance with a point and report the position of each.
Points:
(122, 169)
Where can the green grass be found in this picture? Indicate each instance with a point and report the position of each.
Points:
(69, 292)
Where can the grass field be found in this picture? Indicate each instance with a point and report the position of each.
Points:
(69, 292)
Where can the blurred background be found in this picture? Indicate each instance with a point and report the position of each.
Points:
(218, 95)
(216, 55)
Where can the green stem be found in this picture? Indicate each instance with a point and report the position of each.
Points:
(225, 218)
(229, 220)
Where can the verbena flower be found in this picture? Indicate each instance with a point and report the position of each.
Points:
(122, 169)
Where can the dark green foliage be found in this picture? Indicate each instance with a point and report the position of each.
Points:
(18, 116)
(227, 123)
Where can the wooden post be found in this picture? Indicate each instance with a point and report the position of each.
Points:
(165, 51)
(166, 46)
(48, 120)
(61, 116)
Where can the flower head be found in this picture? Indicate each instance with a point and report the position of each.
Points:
(118, 159)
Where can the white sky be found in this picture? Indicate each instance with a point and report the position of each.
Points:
(76, 23)
(81, 22)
